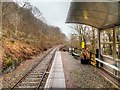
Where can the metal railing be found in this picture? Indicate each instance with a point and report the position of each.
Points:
(110, 65)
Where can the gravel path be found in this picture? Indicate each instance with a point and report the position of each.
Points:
(8, 80)
(78, 75)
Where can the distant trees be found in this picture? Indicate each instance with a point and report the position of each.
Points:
(109, 39)
(108, 45)
(118, 41)
(74, 41)
(25, 33)
(26, 18)
(85, 34)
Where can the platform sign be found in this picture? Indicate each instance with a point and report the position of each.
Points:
(83, 44)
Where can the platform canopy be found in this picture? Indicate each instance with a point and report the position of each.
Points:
(96, 14)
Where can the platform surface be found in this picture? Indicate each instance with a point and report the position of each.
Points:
(56, 78)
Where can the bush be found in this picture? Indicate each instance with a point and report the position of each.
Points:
(8, 62)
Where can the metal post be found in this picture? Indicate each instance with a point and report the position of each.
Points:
(99, 47)
(114, 49)
(114, 45)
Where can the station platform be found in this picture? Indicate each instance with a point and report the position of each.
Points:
(56, 78)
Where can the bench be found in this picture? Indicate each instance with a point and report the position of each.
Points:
(75, 55)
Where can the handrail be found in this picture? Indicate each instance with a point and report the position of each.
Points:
(112, 66)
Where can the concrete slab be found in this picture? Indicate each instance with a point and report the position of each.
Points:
(58, 69)
(58, 75)
(56, 78)
(58, 83)
(58, 66)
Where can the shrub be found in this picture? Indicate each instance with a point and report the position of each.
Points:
(8, 62)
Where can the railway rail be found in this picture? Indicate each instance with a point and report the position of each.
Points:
(37, 76)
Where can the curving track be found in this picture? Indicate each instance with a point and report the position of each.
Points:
(36, 77)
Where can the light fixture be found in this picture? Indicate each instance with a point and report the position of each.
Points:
(85, 14)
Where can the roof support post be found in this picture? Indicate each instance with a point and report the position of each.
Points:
(99, 44)
(99, 49)
(114, 45)
(114, 50)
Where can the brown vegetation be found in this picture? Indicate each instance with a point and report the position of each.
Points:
(25, 33)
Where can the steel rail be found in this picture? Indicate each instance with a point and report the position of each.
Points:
(50, 63)
(32, 69)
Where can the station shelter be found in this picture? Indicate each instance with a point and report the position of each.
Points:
(105, 17)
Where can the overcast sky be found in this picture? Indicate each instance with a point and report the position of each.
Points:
(54, 12)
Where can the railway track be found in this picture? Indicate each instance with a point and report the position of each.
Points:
(37, 76)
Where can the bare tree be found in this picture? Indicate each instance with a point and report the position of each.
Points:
(86, 34)
(37, 13)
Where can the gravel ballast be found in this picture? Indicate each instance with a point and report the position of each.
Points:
(78, 75)
(10, 79)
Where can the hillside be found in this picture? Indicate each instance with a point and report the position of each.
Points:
(25, 34)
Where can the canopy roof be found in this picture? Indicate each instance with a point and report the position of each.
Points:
(96, 14)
